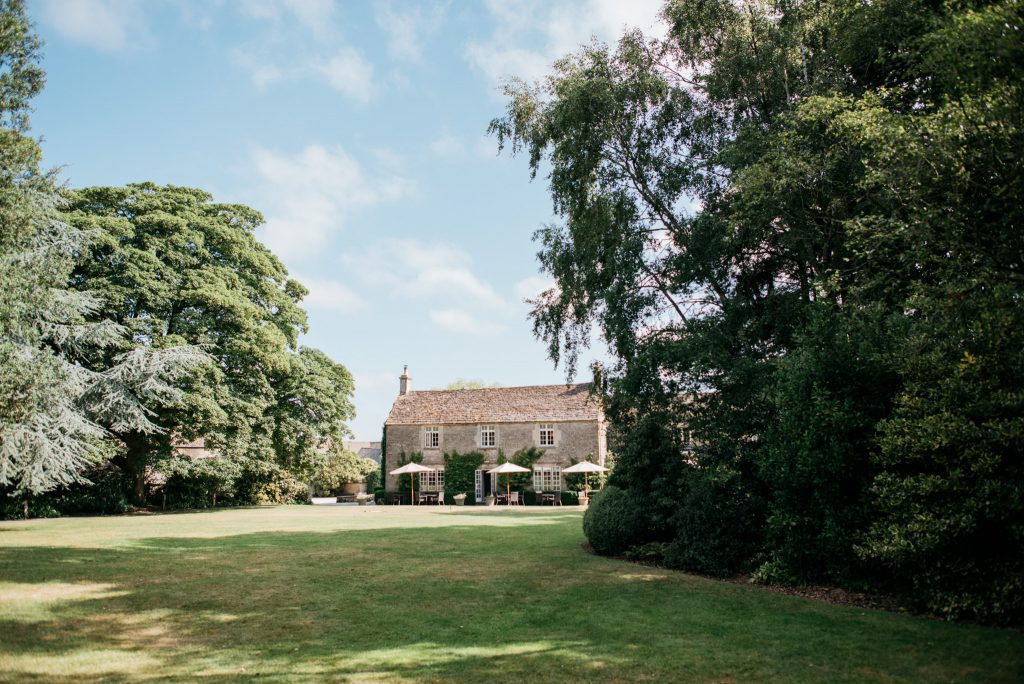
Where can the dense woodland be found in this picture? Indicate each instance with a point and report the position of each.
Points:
(798, 227)
(136, 317)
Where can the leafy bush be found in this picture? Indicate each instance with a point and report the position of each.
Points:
(373, 480)
(652, 552)
(106, 493)
(198, 483)
(570, 498)
(720, 527)
(283, 489)
(615, 521)
(342, 467)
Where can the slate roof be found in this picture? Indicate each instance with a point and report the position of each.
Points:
(537, 403)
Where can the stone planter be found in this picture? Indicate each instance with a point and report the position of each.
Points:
(584, 500)
(353, 488)
(488, 500)
(460, 499)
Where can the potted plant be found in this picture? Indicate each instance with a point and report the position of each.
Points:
(489, 500)
(460, 499)
(363, 498)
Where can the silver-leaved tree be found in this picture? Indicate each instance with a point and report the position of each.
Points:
(54, 412)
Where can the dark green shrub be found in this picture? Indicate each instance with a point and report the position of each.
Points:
(529, 498)
(652, 552)
(570, 498)
(106, 493)
(615, 521)
(373, 480)
(379, 495)
(720, 527)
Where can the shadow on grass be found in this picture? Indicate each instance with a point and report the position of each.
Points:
(460, 602)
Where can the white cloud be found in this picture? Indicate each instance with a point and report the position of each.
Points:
(439, 273)
(350, 74)
(463, 322)
(314, 15)
(308, 197)
(261, 73)
(447, 146)
(531, 34)
(330, 295)
(530, 287)
(401, 30)
(107, 25)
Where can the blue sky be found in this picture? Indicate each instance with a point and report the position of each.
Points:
(358, 130)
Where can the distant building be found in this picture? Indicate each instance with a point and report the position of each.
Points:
(370, 450)
(563, 421)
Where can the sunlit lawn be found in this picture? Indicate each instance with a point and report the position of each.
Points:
(403, 594)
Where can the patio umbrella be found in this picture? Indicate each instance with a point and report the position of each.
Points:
(410, 469)
(505, 469)
(585, 467)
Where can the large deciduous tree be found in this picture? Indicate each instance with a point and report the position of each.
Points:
(797, 226)
(174, 267)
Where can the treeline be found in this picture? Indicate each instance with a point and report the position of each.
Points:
(136, 318)
(799, 228)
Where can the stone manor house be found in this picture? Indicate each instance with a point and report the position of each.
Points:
(561, 420)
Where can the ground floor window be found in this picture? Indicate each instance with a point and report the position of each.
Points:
(432, 481)
(547, 478)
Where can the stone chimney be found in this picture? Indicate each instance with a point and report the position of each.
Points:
(404, 382)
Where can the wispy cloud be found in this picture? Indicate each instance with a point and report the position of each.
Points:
(464, 323)
(531, 286)
(531, 34)
(447, 145)
(330, 295)
(349, 73)
(437, 273)
(316, 16)
(261, 73)
(105, 25)
(404, 27)
(308, 196)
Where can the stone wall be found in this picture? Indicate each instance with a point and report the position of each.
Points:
(573, 440)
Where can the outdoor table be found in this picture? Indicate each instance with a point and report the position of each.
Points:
(428, 498)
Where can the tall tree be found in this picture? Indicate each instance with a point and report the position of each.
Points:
(174, 267)
(54, 411)
(775, 213)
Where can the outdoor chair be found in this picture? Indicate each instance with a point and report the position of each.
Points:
(440, 498)
(514, 500)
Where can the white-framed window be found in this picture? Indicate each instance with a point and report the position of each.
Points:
(432, 481)
(431, 437)
(547, 478)
(547, 434)
(488, 436)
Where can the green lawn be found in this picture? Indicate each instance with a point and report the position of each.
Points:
(403, 594)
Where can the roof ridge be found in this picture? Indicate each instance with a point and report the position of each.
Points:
(485, 389)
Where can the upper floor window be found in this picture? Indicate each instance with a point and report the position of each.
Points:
(431, 437)
(488, 436)
(547, 434)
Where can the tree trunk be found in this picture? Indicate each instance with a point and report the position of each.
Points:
(136, 457)
(24, 508)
